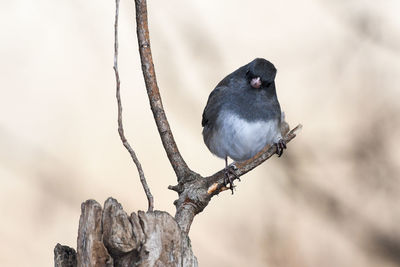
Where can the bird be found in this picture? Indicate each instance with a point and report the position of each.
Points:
(243, 115)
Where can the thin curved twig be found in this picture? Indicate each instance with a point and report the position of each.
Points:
(120, 125)
(179, 165)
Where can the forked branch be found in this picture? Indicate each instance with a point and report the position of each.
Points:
(194, 190)
(108, 237)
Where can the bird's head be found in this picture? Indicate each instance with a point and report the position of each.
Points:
(261, 73)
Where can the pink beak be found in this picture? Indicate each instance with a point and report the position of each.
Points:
(255, 82)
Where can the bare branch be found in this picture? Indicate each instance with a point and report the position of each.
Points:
(194, 191)
(174, 156)
(195, 195)
(216, 181)
(120, 125)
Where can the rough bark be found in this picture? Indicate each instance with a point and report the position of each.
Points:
(109, 237)
(91, 250)
(64, 256)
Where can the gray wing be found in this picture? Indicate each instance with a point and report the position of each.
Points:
(213, 106)
(215, 100)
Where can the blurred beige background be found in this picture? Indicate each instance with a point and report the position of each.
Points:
(331, 200)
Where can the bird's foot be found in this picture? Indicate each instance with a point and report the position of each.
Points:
(230, 176)
(280, 146)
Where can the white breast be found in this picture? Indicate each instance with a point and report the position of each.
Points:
(241, 140)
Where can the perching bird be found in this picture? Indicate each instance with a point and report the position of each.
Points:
(243, 114)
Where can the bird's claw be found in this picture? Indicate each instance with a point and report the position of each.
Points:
(229, 172)
(280, 146)
(233, 166)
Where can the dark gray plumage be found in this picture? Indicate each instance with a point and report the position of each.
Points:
(243, 114)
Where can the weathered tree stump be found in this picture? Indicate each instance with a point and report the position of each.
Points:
(109, 237)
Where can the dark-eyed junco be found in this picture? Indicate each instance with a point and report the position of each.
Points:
(243, 114)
